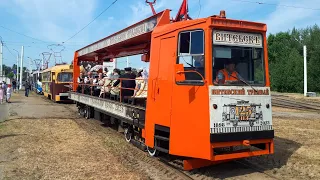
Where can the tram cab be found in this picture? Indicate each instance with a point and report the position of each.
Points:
(205, 109)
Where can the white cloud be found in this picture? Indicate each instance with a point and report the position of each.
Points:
(285, 18)
(54, 20)
(278, 18)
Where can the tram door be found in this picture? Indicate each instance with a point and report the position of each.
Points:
(190, 105)
(165, 81)
(52, 86)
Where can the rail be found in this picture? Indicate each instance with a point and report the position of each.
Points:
(284, 102)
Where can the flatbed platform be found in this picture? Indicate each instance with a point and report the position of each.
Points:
(129, 113)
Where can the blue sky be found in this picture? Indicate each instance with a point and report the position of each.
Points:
(54, 21)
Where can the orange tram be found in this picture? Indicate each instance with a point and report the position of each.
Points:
(190, 111)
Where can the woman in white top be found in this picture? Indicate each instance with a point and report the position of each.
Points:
(105, 84)
(141, 84)
(9, 91)
(115, 77)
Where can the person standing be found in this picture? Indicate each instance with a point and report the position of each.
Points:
(128, 83)
(9, 91)
(18, 86)
(4, 87)
(27, 88)
(1, 93)
(14, 85)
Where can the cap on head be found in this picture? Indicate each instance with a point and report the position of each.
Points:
(230, 61)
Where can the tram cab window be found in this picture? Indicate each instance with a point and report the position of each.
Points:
(248, 60)
(191, 53)
(65, 77)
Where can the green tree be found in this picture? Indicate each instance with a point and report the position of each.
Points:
(10, 75)
(285, 50)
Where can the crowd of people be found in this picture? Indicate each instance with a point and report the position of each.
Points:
(114, 83)
(5, 92)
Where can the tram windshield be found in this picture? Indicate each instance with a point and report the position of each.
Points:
(65, 77)
(238, 64)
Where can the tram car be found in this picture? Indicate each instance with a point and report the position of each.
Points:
(56, 81)
(35, 81)
(193, 109)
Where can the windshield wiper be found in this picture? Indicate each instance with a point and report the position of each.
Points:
(242, 80)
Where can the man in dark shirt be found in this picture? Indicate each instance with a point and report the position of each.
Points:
(27, 88)
(14, 85)
(126, 83)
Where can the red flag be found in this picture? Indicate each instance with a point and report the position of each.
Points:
(183, 11)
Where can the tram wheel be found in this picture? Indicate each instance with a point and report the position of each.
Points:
(87, 112)
(152, 151)
(79, 111)
(127, 134)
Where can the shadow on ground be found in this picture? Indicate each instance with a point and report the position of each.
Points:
(284, 149)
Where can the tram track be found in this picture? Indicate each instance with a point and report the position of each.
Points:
(138, 160)
(284, 102)
(171, 168)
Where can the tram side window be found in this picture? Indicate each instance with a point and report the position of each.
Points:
(191, 53)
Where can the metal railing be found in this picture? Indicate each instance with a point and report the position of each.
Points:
(85, 87)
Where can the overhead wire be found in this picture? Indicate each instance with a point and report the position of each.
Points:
(8, 50)
(273, 4)
(199, 9)
(21, 34)
(91, 21)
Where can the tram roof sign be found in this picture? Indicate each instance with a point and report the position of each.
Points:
(143, 27)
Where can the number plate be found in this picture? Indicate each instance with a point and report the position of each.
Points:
(244, 112)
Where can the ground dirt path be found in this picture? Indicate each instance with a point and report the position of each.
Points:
(42, 140)
(45, 140)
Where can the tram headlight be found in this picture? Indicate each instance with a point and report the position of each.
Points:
(215, 106)
(267, 106)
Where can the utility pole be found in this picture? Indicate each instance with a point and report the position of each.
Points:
(1, 58)
(17, 73)
(42, 63)
(21, 67)
(30, 68)
(127, 61)
(305, 69)
(305, 72)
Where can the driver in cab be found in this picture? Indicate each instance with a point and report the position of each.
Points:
(228, 75)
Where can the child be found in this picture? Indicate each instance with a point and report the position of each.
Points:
(1, 93)
(9, 90)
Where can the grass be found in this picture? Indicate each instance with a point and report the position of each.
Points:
(2, 126)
